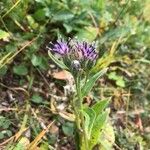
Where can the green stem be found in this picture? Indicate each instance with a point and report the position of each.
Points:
(77, 119)
(86, 76)
(79, 106)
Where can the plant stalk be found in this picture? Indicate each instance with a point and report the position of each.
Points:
(79, 107)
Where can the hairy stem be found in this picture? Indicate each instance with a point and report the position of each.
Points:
(79, 107)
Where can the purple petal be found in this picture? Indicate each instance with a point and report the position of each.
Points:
(61, 47)
(87, 50)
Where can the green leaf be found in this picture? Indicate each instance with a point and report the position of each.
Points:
(4, 122)
(99, 123)
(90, 117)
(11, 47)
(115, 33)
(41, 1)
(143, 61)
(118, 79)
(39, 15)
(3, 34)
(68, 128)
(91, 81)
(68, 27)
(100, 4)
(113, 76)
(63, 15)
(99, 106)
(44, 146)
(9, 133)
(105, 142)
(120, 82)
(87, 122)
(1, 135)
(36, 60)
(44, 63)
(95, 119)
(89, 33)
(37, 99)
(32, 22)
(57, 61)
(20, 70)
(21, 145)
(39, 61)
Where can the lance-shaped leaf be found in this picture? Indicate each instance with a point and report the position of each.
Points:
(90, 117)
(100, 106)
(91, 81)
(99, 123)
(57, 61)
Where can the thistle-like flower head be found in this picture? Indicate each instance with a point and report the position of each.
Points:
(60, 47)
(76, 55)
(87, 50)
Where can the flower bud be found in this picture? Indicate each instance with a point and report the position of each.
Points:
(76, 65)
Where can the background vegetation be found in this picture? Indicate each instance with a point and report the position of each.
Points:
(32, 93)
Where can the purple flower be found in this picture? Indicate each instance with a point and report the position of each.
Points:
(61, 47)
(75, 54)
(87, 50)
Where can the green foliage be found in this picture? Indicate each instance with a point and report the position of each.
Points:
(127, 141)
(99, 123)
(100, 106)
(39, 61)
(107, 139)
(37, 99)
(95, 120)
(118, 79)
(68, 128)
(91, 81)
(90, 116)
(4, 122)
(57, 61)
(4, 126)
(88, 33)
(20, 70)
(3, 34)
(36, 61)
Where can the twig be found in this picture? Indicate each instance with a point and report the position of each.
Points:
(93, 19)
(34, 143)
(127, 108)
(14, 89)
(8, 109)
(123, 9)
(45, 80)
(15, 54)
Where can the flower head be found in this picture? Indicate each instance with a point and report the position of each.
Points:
(61, 47)
(87, 50)
(76, 55)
